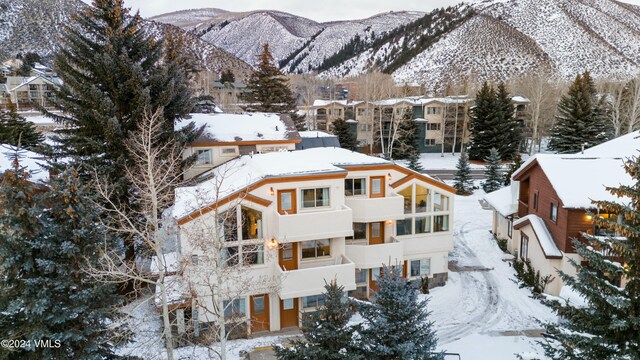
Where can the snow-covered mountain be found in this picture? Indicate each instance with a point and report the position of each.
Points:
(297, 43)
(36, 25)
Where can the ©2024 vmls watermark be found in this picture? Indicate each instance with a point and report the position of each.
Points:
(30, 344)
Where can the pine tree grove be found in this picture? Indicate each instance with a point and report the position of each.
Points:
(327, 334)
(396, 324)
(581, 121)
(493, 177)
(15, 128)
(493, 124)
(608, 326)
(48, 237)
(268, 90)
(463, 181)
(347, 139)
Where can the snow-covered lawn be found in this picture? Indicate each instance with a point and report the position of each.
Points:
(433, 161)
(481, 313)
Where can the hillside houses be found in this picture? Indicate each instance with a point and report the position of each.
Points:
(547, 205)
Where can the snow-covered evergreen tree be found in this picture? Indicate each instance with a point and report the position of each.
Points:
(513, 166)
(463, 181)
(493, 178)
(406, 143)
(581, 120)
(48, 236)
(511, 136)
(413, 161)
(608, 327)
(347, 139)
(327, 334)
(14, 128)
(268, 90)
(396, 323)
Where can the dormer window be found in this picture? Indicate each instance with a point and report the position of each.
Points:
(204, 157)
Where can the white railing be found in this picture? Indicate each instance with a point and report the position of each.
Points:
(311, 281)
(373, 256)
(376, 209)
(313, 225)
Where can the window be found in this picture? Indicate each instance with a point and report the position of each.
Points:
(535, 200)
(229, 151)
(422, 199)
(287, 251)
(234, 308)
(253, 254)
(553, 213)
(361, 276)
(229, 256)
(403, 227)
(377, 186)
(315, 197)
(375, 273)
(432, 110)
(288, 304)
(441, 223)
(313, 301)
(204, 157)
(315, 249)
(440, 202)
(408, 199)
(359, 231)
(429, 142)
(510, 227)
(229, 224)
(423, 225)
(251, 223)
(355, 187)
(433, 126)
(420, 267)
(524, 246)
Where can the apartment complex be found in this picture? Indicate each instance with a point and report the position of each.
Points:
(547, 204)
(27, 92)
(285, 223)
(443, 123)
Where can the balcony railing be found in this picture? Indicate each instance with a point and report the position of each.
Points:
(311, 281)
(426, 243)
(313, 225)
(371, 256)
(367, 209)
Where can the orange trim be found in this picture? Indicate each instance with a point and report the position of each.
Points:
(245, 193)
(253, 142)
(402, 181)
(410, 173)
(528, 222)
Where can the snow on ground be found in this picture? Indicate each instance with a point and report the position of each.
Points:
(480, 314)
(434, 161)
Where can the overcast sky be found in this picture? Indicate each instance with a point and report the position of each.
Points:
(323, 10)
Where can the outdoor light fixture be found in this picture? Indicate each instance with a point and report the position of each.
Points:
(272, 244)
(388, 176)
(589, 217)
(271, 191)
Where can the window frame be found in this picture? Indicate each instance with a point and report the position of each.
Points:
(363, 187)
(420, 267)
(524, 247)
(315, 250)
(315, 197)
(206, 162)
(553, 212)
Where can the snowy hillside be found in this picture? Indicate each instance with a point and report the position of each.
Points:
(188, 18)
(36, 26)
(508, 38)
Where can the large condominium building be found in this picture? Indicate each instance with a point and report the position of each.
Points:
(263, 233)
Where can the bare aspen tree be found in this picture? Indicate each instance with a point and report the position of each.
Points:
(615, 101)
(308, 87)
(155, 172)
(632, 104)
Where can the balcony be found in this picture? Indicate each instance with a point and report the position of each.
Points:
(371, 256)
(376, 209)
(313, 225)
(426, 243)
(311, 281)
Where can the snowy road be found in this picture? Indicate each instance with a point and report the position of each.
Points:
(481, 307)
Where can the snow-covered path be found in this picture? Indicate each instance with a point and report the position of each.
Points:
(481, 301)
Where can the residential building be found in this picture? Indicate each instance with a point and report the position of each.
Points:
(26, 92)
(548, 204)
(314, 139)
(227, 136)
(297, 220)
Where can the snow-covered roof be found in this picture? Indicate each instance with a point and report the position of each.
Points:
(578, 179)
(314, 134)
(393, 102)
(624, 146)
(545, 239)
(242, 172)
(502, 201)
(25, 81)
(248, 127)
(445, 100)
(171, 263)
(520, 99)
(321, 103)
(30, 160)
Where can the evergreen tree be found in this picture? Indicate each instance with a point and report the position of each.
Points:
(14, 128)
(114, 72)
(513, 167)
(493, 178)
(581, 120)
(463, 181)
(342, 130)
(407, 142)
(327, 334)
(608, 326)
(413, 162)
(493, 124)
(268, 90)
(47, 238)
(396, 323)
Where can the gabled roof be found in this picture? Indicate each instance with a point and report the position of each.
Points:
(548, 245)
(28, 80)
(502, 201)
(243, 128)
(343, 103)
(624, 146)
(578, 179)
